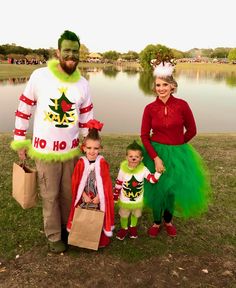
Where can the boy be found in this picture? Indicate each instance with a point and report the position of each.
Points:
(129, 189)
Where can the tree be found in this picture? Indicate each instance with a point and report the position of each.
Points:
(220, 52)
(177, 54)
(130, 56)
(111, 55)
(83, 52)
(149, 53)
(232, 55)
(44, 53)
(207, 53)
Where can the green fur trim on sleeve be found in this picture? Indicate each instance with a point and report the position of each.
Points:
(20, 144)
(53, 67)
(126, 169)
(130, 205)
(50, 157)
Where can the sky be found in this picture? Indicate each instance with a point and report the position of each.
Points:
(124, 25)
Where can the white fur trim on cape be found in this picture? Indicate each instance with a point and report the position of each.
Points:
(87, 168)
(109, 233)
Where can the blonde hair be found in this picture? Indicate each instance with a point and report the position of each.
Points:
(93, 134)
(169, 79)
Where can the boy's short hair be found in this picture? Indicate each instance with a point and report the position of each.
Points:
(68, 35)
(134, 147)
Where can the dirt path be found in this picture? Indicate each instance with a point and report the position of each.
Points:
(84, 268)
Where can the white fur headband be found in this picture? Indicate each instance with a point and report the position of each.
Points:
(163, 69)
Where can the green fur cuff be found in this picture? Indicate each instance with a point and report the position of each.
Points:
(53, 67)
(130, 205)
(125, 168)
(50, 157)
(20, 144)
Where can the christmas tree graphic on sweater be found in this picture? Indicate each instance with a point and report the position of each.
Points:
(64, 113)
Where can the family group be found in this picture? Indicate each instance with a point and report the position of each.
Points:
(163, 172)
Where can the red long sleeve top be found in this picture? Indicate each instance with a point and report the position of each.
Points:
(170, 123)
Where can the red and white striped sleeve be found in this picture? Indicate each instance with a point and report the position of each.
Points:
(118, 186)
(23, 113)
(85, 111)
(152, 178)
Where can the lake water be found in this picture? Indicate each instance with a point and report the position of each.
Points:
(119, 97)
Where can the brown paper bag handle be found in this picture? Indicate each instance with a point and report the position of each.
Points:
(87, 207)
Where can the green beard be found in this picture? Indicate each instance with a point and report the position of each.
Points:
(67, 69)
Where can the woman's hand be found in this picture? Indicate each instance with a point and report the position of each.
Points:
(159, 166)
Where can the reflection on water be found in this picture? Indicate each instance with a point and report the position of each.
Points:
(228, 77)
(146, 81)
(110, 71)
(146, 78)
(120, 95)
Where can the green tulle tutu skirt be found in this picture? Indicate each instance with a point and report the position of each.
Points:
(184, 188)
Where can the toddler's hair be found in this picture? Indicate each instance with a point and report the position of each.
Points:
(134, 147)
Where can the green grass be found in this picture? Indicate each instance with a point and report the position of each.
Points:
(211, 67)
(214, 232)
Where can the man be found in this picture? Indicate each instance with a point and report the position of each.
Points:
(62, 107)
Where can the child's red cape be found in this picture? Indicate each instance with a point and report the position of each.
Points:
(104, 187)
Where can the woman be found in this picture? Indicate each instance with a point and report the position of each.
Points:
(167, 126)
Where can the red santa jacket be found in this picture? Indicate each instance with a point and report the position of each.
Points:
(104, 187)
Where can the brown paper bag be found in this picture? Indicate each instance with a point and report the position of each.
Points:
(24, 188)
(86, 228)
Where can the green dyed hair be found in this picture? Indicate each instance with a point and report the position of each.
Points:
(134, 147)
(68, 35)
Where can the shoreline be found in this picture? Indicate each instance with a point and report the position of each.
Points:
(22, 70)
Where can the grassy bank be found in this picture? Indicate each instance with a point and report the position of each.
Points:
(12, 70)
(211, 67)
(214, 232)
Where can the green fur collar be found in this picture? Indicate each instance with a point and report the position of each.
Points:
(125, 168)
(53, 67)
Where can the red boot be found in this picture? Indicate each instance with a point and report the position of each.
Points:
(104, 241)
(153, 231)
(121, 234)
(133, 233)
(171, 230)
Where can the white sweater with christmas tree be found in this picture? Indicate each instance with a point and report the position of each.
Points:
(63, 106)
(129, 187)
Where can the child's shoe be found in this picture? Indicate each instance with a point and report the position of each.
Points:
(121, 234)
(171, 230)
(133, 232)
(104, 241)
(153, 231)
